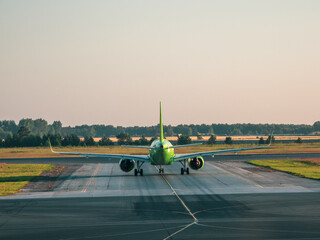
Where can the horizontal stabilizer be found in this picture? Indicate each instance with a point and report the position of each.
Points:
(133, 146)
(186, 145)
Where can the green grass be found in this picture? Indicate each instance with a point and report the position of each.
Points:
(307, 169)
(13, 177)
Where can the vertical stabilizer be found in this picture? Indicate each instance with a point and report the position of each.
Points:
(161, 126)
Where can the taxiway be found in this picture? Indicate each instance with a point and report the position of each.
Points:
(225, 200)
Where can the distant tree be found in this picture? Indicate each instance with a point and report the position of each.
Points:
(210, 131)
(70, 140)
(141, 141)
(299, 140)
(55, 139)
(228, 140)
(75, 140)
(236, 131)
(316, 126)
(36, 127)
(57, 126)
(169, 130)
(31, 141)
(152, 139)
(2, 133)
(189, 131)
(40, 127)
(19, 139)
(104, 141)
(124, 138)
(199, 136)
(183, 139)
(66, 141)
(26, 122)
(212, 140)
(261, 141)
(8, 141)
(8, 127)
(23, 132)
(89, 141)
(270, 138)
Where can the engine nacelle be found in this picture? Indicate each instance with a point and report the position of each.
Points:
(127, 165)
(196, 163)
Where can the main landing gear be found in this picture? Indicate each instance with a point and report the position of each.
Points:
(184, 169)
(161, 170)
(139, 170)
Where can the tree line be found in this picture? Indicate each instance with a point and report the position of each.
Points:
(40, 127)
(24, 138)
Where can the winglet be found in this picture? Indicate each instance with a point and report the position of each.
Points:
(161, 126)
(50, 145)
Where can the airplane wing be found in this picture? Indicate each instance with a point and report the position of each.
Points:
(179, 157)
(142, 158)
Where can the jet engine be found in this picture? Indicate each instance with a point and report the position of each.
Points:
(196, 163)
(127, 165)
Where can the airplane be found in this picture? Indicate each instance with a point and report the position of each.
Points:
(161, 152)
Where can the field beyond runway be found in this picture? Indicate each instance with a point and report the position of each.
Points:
(229, 199)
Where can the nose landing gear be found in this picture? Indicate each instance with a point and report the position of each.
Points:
(161, 170)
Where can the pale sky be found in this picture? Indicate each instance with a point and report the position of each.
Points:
(111, 62)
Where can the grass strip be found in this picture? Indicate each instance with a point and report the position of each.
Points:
(308, 169)
(13, 177)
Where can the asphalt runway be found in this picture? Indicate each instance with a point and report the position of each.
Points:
(225, 200)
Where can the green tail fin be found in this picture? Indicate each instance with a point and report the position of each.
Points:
(161, 126)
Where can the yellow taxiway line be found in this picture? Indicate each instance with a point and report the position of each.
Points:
(195, 220)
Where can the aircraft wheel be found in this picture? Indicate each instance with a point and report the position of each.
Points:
(159, 170)
(182, 171)
(187, 170)
(162, 170)
(135, 172)
(141, 172)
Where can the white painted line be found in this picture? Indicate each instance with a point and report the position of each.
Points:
(91, 178)
(182, 229)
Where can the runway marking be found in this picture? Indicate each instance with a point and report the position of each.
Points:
(195, 220)
(237, 176)
(182, 229)
(123, 234)
(182, 202)
(257, 229)
(91, 178)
